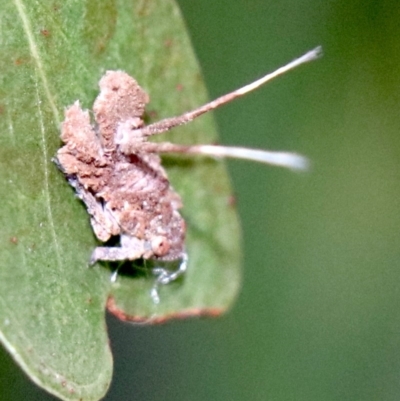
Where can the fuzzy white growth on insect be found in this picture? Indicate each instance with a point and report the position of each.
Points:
(309, 56)
(283, 159)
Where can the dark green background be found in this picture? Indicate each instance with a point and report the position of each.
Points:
(318, 316)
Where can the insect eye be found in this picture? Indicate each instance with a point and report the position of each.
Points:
(160, 245)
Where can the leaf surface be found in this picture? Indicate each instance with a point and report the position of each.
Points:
(51, 304)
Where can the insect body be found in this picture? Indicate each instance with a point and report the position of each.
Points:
(118, 173)
(125, 194)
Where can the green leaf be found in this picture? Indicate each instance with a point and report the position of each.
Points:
(51, 304)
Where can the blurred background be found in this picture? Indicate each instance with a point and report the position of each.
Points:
(318, 317)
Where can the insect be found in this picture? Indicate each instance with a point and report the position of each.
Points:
(118, 175)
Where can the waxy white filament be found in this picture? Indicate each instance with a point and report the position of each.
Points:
(283, 159)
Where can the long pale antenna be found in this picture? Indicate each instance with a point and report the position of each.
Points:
(127, 139)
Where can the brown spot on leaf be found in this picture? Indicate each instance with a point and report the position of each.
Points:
(45, 32)
(232, 201)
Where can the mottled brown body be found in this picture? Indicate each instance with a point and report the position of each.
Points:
(125, 194)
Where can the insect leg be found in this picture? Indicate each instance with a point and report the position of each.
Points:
(165, 276)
